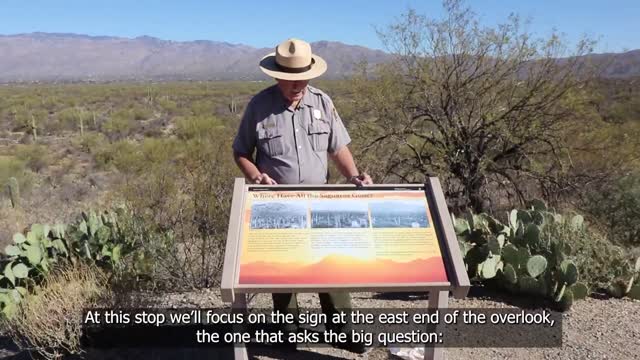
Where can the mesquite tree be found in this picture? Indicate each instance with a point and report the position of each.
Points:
(486, 109)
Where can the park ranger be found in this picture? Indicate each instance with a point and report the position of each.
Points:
(295, 129)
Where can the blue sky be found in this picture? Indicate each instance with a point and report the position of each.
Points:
(265, 23)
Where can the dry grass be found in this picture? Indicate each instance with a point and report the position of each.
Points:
(49, 322)
(11, 222)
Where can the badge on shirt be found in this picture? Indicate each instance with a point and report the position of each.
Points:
(317, 114)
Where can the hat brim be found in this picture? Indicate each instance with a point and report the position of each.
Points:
(268, 66)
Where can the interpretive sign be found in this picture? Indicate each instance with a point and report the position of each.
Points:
(310, 238)
(322, 238)
(339, 237)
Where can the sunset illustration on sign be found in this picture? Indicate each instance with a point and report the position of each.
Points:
(311, 237)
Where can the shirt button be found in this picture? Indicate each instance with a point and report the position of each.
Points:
(299, 146)
(296, 129)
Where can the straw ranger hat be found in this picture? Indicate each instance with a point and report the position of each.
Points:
(293, 60)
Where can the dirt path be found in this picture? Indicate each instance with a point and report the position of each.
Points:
(593, 329)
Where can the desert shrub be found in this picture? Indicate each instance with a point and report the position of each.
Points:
(22, 117)
(140, 269)
(141, 113)
(462, 101)
(10, 167)
(116, 152)
(11, 221)
(91, 142)
(49, 321)
(36, 157)
(67, 117)
(191, 127)
(49, 103)
(158, 151)
(168, 106)
(74, 118)
(599, 260)
(119, 125)
(185, 203)
(617, 207)
(135, 157)
(202, 107)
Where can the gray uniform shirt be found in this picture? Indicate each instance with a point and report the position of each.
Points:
(291, 144)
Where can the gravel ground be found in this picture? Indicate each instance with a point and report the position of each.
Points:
(593, 329)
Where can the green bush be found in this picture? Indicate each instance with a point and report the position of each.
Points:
(202, 107)
(119, 125)
(618, 208)
(22, 117)
(91, 142)
(12, 167)
(119, 154)
(141, 113)
(192, 127)
(185, 205)
(75, 119)
(168, 106)
(135, 157)
(36, 157)
(67, 117)
(600, 262)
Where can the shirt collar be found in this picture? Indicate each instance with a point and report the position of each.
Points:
(306, 98)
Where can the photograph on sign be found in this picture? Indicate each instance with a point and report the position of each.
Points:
(339, 237)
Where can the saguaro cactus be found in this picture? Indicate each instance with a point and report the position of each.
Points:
(34, 128)
(232, 105)
(14, 192)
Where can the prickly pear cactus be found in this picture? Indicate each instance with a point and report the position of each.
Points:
(566, 300)
(94, 238)
(536, 265)
(634, 293)
(522, 256)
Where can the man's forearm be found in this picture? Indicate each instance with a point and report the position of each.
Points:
(251, 171)
(247, 166)
(345, 163)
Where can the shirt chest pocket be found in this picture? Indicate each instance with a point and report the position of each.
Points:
(318, 133)
(270, 141)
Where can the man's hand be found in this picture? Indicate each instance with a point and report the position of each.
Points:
(346, 166)
(362, 179)
(245, 163)
(263, 179)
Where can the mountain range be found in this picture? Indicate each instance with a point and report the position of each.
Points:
(55, 57)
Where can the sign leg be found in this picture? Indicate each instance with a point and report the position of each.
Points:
(240, 305)
(437, 300)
